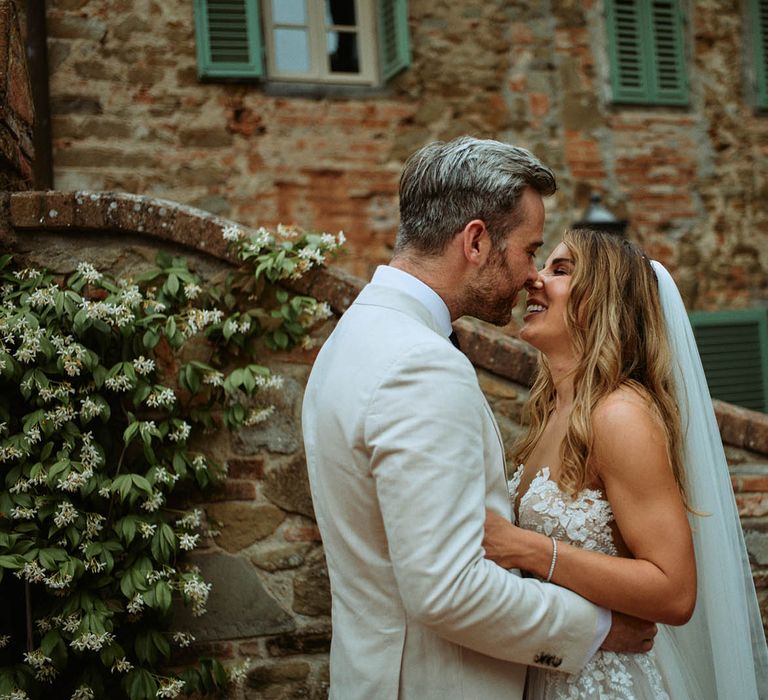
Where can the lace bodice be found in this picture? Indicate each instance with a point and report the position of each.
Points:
(583, 520)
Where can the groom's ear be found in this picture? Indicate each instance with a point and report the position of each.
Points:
(475, 242)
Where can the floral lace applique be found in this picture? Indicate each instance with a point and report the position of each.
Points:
(583, 520)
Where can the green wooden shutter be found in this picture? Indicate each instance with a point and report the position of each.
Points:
(394, 44)
(646, 51)
(758, 19)
(228, 39)
(734, 352)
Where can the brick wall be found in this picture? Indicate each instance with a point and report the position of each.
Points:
(129, 114)
(16, 111)
(271, 602)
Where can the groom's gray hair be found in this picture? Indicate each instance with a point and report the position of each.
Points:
(445, 185)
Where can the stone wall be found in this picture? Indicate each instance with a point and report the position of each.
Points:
(130, 114)
(271, 600)
(16, 110)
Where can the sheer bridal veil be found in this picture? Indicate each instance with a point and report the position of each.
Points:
(721, 653)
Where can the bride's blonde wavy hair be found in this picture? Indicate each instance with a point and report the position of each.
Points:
(615, 322)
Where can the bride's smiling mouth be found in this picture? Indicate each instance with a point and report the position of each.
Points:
(534, 307)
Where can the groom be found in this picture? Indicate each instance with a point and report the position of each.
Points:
(404, 454)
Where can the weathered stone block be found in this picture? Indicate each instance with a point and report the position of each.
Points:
(304, 641)
(288, 487)
(76, 27)
(280, 433)
(205, 137)
(242, 524)
(312, 589)
(757, 546)
(281, 557)
(238, 606)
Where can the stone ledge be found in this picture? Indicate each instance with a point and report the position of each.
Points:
(119, 212)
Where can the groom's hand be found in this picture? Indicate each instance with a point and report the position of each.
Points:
(629, 634)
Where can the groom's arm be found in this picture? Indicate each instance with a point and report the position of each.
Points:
(424, 429)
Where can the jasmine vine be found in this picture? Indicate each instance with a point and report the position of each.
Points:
(102, 407)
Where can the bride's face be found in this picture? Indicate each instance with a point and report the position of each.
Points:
(545, 327)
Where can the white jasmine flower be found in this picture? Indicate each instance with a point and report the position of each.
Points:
(118, 383)
(258, 416)
(169, 688)
(130, 294)
(188, 542)
(89, 273)
(147, 529)
(181, 433)
(32, 572)
(4, 639)
(143, 365)
(121, 666)
(136, 604)
(154, 502)
(192, 291)
(231, 233)
(66, 514)
(36, 658)
(197, 591)
(70, 624)
(214, 378)
(183, 639)
(161, 399)
(91, 641)
(94, 524)
(199, 462)
(58, 580)
(84, 692)
(21, 513)
(89, 409)
(191, 520)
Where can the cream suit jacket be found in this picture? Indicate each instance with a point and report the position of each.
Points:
(404, 455)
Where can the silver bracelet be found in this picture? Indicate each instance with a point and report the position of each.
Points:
(554, 560)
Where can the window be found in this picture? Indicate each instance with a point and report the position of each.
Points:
(734, 352)
(347, 42)
(758, 20)
(646, 52)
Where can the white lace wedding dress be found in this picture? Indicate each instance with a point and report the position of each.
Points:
(585, 521)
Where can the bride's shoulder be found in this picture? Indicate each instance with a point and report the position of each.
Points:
(627, 401)
(624, 418)
(627, 433)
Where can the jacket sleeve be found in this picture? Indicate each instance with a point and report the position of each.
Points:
(424, 428)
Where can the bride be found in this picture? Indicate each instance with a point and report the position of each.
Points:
(622, 493)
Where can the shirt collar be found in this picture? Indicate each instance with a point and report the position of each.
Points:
(389, 276)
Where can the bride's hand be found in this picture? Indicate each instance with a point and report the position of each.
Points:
(509, 546)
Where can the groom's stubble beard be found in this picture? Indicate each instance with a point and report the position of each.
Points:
(490, 297)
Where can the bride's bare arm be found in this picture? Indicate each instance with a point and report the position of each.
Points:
(659, 583)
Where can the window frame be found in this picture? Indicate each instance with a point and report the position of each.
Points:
(759, 317)
(320, 72)
(649, 53)
(759, 52)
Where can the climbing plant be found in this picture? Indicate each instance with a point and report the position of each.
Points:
(106, 387)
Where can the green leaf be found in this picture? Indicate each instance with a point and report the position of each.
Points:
(172, 284)
(140, 684)
(163, 595)
(142, 484)
(130, 432)
(163, 543)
